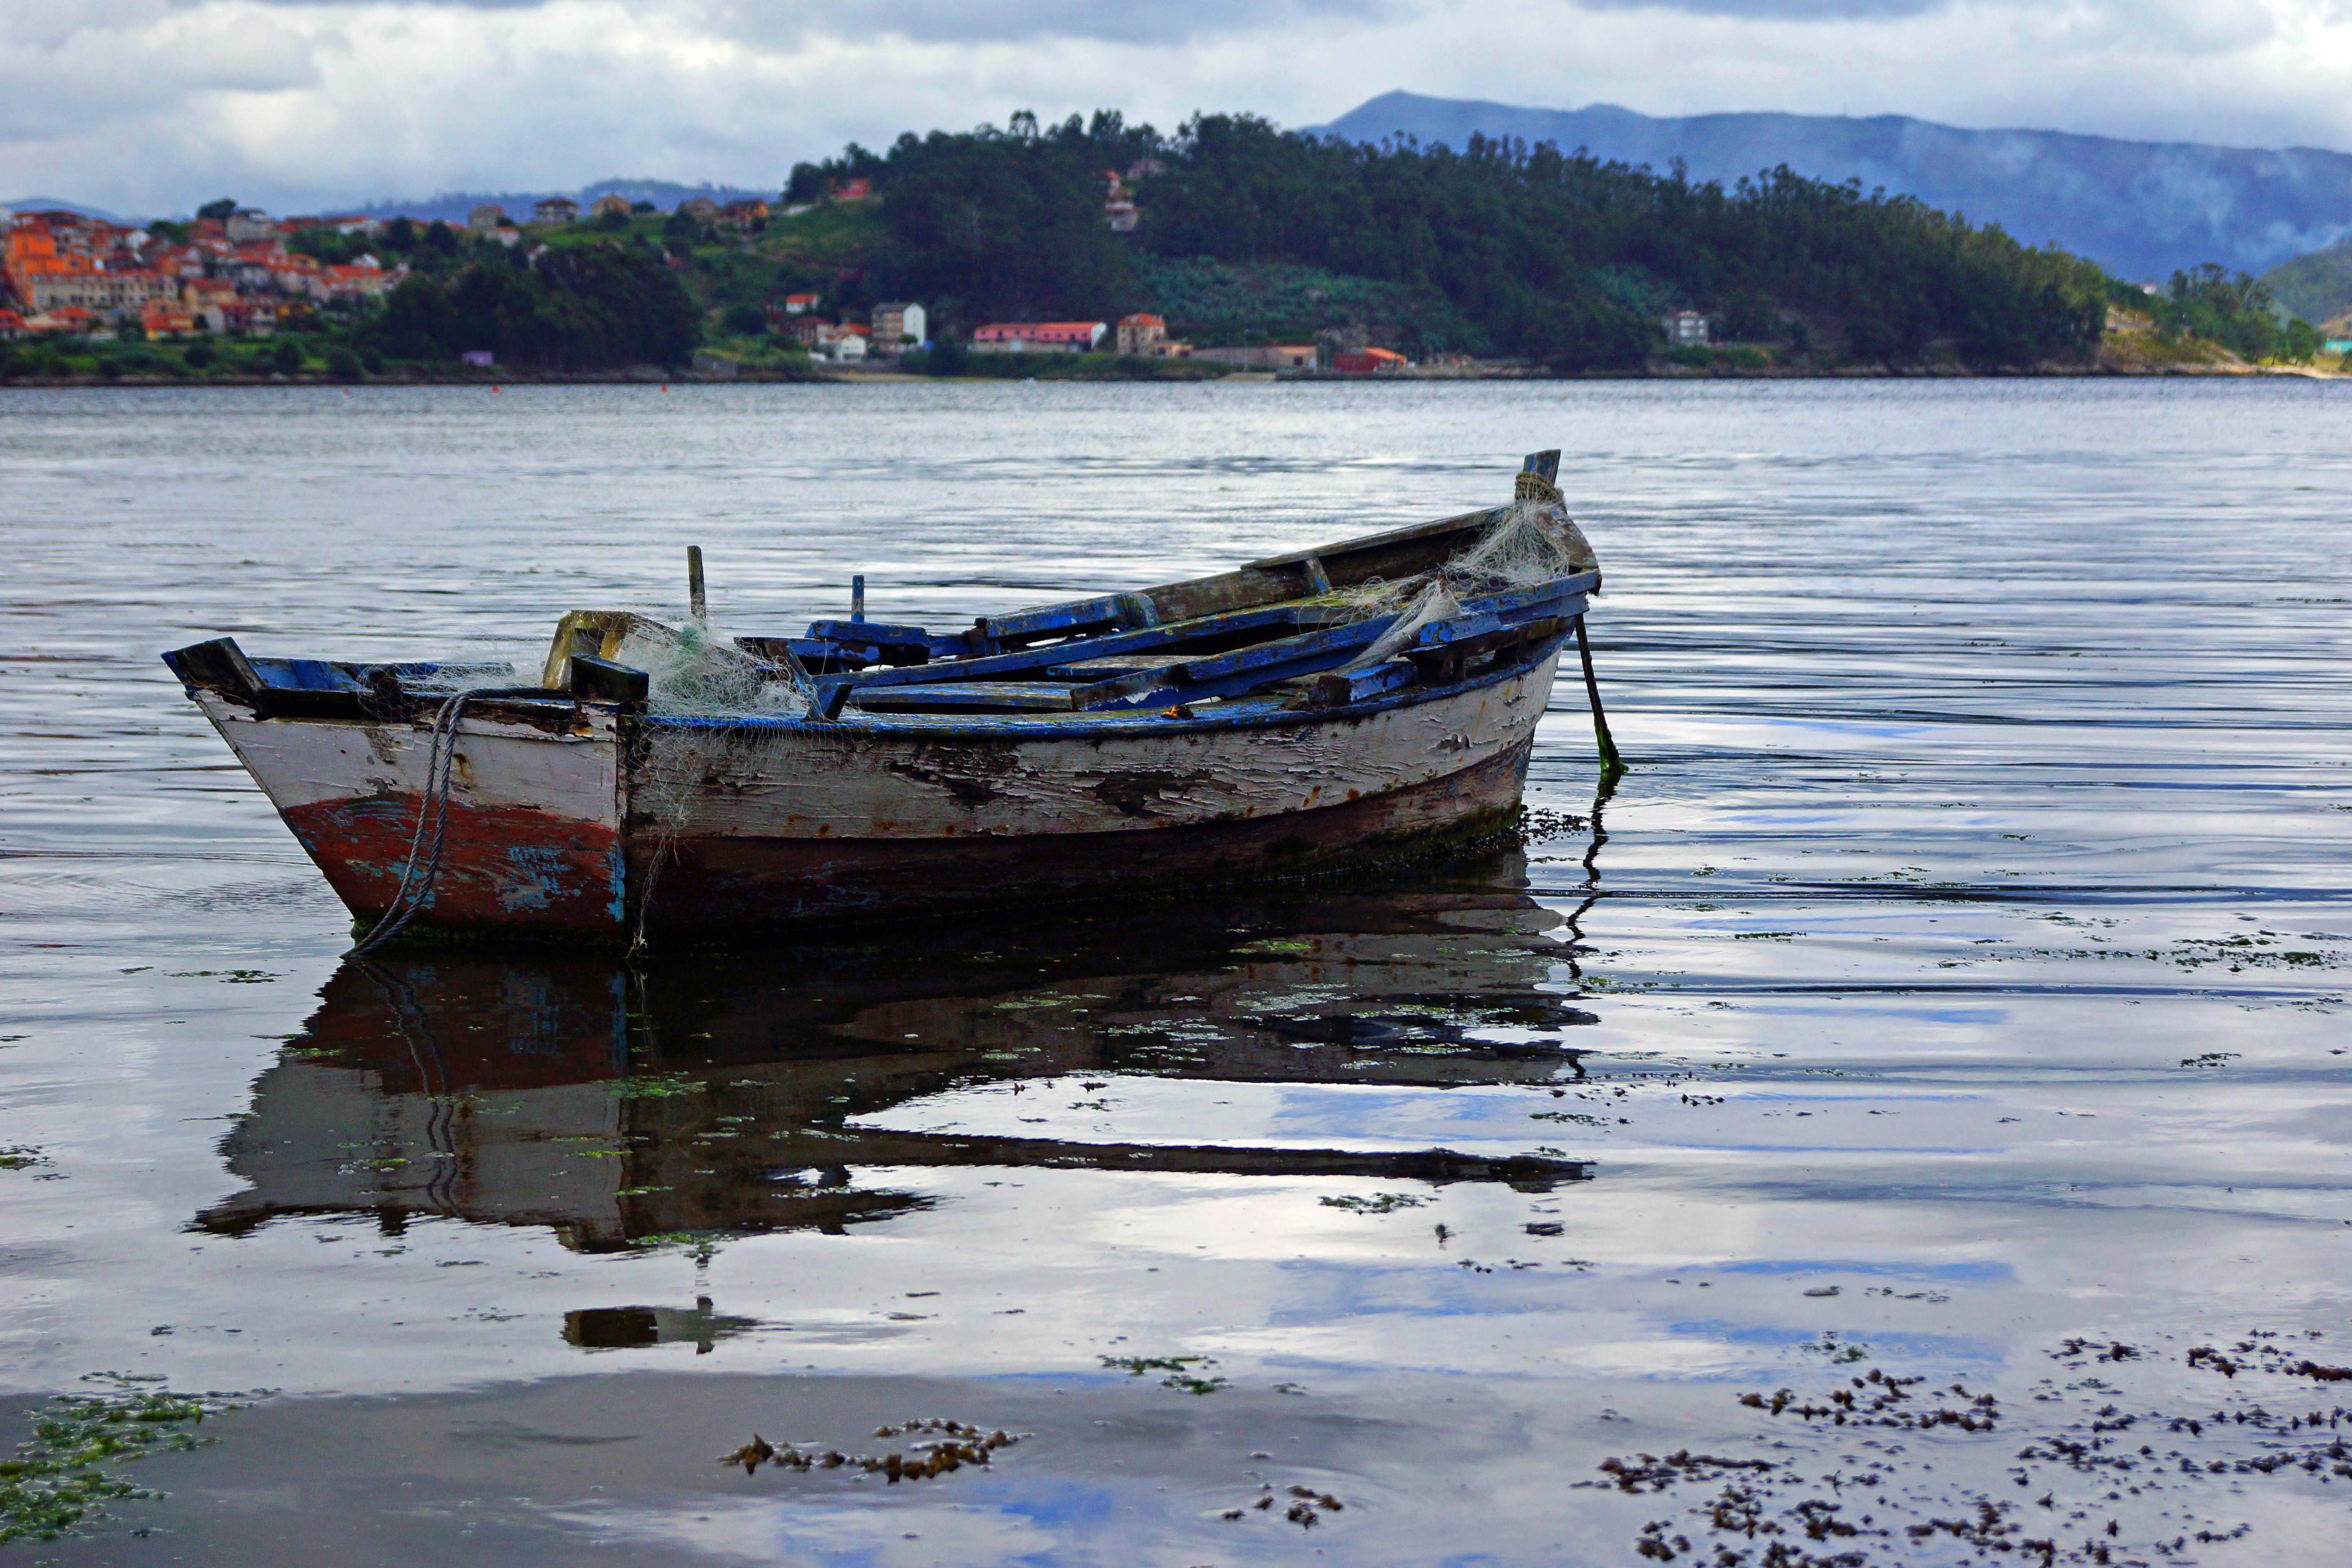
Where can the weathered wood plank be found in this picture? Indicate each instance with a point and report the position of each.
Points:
(1231, 674)
(1171, 636)
(966, 697)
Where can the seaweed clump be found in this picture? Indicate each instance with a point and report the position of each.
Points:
(62, 1480)
(2089, 1481)
(958, 1444)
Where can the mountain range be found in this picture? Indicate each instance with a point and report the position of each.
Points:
(453, 205)
(2141, 209)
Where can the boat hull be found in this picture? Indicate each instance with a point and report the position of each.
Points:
(606, 830)
(700, 886)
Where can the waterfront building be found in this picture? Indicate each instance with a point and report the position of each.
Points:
(1369, 362)
(899, 326)
(1139, 333)
(1262, 356)
(1038, 337)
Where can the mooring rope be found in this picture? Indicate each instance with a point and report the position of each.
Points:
(410, 897)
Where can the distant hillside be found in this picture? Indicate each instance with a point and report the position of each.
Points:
(453, 205)
(52, 204)
(2317, 287)
(2141, 209)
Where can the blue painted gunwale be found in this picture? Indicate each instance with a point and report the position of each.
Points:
(1226, 713)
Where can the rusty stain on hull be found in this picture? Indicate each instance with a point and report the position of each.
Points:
(500, 866)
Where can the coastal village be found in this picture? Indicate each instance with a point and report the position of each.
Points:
(788, 290)
(235, 273)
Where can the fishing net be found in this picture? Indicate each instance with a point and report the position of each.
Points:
(1531, 541)
(696, 671)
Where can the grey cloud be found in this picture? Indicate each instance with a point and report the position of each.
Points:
(1780, 10)
(949, 21)
(1022, 21)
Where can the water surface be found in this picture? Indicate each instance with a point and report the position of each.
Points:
(1988, 816)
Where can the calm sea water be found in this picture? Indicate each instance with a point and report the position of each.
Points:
(1989, 814)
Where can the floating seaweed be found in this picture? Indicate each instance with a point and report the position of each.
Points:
(61, 1481)
(961, 1443)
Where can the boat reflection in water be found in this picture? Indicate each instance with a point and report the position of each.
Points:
(727, 1093)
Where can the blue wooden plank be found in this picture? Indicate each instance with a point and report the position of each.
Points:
(1526, 604)
(1313, 650)
(870, 631)
(1338, 687)
(1437, 634)
(300, 675)
(1041, 659)
(1060, 620)
(869, 639)
(1249, 712)
(972, 696)
(1231, 674)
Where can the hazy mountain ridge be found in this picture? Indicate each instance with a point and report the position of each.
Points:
(453, 205)
(2142, 209)
(54, 204)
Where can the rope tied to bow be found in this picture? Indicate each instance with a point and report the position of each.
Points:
(415, 891)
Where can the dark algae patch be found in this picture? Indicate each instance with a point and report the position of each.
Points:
(60, 1483)
(937, 1448)
(1179, 1369)
(1894, 1471)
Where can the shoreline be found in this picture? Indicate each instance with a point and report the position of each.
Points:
(2199, 372)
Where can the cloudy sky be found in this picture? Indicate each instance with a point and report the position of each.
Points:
(151, 106)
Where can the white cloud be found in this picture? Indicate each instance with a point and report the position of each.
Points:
(153, 105)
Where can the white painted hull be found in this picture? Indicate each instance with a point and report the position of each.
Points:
(729, 829)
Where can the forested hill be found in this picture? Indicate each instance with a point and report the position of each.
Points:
(2144, 209)
(1497, 248)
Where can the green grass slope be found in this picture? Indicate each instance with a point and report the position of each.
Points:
(2318, 286)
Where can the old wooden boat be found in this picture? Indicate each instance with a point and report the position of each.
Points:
(1374, 698)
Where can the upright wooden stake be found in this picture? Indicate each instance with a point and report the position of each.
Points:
(696, 601)
(857, 597)
(1612, 761)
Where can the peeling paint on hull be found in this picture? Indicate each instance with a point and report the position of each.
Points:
(586, 833)
(500, 866)
(707, 885)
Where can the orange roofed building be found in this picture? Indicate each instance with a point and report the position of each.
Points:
(1038, 337)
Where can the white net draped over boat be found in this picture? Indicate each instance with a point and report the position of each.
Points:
(697, 671)
(1531, 541)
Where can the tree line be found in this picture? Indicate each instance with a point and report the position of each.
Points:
(1535, 246)
(578, 307)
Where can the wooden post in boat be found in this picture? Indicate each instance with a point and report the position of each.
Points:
(857, 597)
(696, 601)
(1545, 466)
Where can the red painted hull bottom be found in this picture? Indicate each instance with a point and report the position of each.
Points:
(709, 887)
(506, 866)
